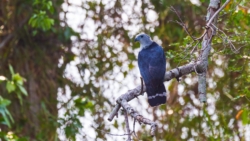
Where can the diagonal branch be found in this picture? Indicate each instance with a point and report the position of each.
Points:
(227, 39)
(200, 67)
(181, 23)
(131, 94)
(217, 12)
(6, 40)
(137, 116)
(11, 35)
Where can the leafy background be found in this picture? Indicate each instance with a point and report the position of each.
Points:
(63, 64)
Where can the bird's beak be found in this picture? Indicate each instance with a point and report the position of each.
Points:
(136, 39)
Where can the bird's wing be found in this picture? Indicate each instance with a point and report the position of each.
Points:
(152, 64)
(157, 65)
(143, 63)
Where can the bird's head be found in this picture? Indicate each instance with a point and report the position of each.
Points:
(144, 40)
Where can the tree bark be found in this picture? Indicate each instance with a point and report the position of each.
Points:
(200, 67)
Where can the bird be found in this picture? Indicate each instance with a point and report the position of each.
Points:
(152, 66)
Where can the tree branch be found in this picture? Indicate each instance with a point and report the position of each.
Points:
(6, 40)
(11, 35)
(127, 125)
(181, 22)
(212, 12)
(131, 94)
(213, 4)
(137, 116)
(227, 40)
(200, 67)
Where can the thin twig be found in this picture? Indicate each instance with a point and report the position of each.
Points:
(112, 133)
(134, 128)
(229, 42)
(137, 116)
(195, 70)
(127, 125)
(131, 94)
(207, 43)
(65, 103)
(6, 40)
(118, 135)
(199, 38)
(233, 48)
(192, 51)
(197, 66)
(11, 35)
(185, 50)
(216, 13)
(247, 98)
(181, 22)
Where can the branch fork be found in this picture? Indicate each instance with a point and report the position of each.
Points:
(200, 67)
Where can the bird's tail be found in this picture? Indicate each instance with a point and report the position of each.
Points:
(156, 95)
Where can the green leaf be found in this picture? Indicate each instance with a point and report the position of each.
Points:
(41, 20)
(17, 78)
(34, 32)
(19, 96)
(9, 115)
(245, 116)
(10, 86)
(4, 111)
(11, 70)
(4, 102)
(6, 120)
(6, 116)
(50, 7)
(23, 90)
(131, 66)
(67, 33)
(116, 124)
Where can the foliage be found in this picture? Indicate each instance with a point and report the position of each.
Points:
(4, 111)
(73, 73)
(33, 46)
(40, 18)
(15, 85)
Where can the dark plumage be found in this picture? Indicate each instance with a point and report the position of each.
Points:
(152, 65)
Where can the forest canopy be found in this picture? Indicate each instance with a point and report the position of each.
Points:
(63, 64)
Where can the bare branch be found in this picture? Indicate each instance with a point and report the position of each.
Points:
(202, 87)
(180, 71)
(195, 47)
(213, 11)
(181, 22)
(199, 38)
(137, 116)
(131, 94)
(174, 73)
(112, 133)
(217, 12)
(11, 35)
(233, 48)
(134, 128)
(200, 67)
(127, 125)
(6, 40)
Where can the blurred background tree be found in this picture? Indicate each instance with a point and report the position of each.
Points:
(77, 57)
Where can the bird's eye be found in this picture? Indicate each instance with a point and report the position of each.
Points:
(141, 36)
